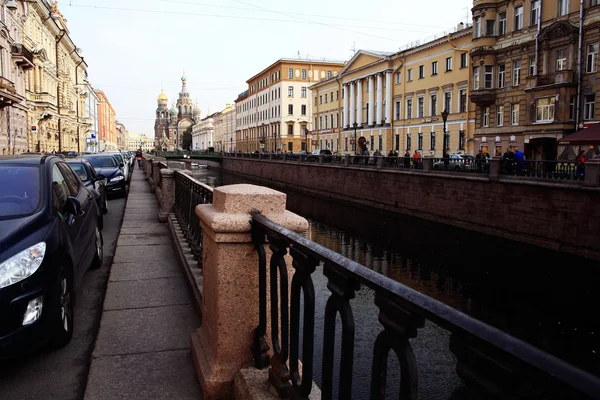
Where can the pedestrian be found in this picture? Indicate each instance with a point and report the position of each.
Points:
(520, 161)
(407, 159)
(416, 160)
(446, 160)
(138, 157)
(507, 161)
(580, 168)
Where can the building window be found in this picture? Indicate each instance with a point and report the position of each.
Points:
(420, 141)
(501, 75)
(531, 66)
(535, 12)
(420, 107)
(303, 74)
(371, 142)
(337, 94)
(591, 64)
(290, 73)
(563, 7)
(397, 110)
(397, 139)
(488, 82)
(290, 130)
(448, 64)
(432, 140)
(461, 140)
(464, 60)
(410, 78)
(518, 18)
(409, 109)
(463, 100)
(448, 101)
(514, 114)
(545, 109)
(331, 119)
(303, 92)
(561, 60)
(408, 141)
(321, 99)
(499, 115)
(477, 28)
(490, 24)
(516, 81)
(380, 144)
(303, 109)
(502, 23)
(397, 78)
(367, 111)
(325, 99)
(332, 97)
(485, 117)
(345, 144)
(290, 109)
(433, 100)
(434, 68)
(475, 78)
(588, 107)
(572, 108)
(594, 3)
(421, 71)
(290, 91)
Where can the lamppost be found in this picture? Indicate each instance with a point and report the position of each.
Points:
(306, 138)
(446, 134)
(355, 126)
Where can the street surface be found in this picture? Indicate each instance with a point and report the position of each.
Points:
(62, 374)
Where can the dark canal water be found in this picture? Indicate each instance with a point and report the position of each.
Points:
(546, 298)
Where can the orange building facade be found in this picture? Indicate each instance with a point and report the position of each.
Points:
(107, 119)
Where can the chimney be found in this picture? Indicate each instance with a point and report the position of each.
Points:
(460, 26)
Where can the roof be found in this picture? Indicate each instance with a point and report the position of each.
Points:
(20, 159)
(297, 61)
(590, 135)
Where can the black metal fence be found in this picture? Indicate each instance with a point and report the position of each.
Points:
(402, 312)
(188, 193)
(561, 170)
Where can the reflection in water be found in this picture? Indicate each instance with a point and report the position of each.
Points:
(540, 296)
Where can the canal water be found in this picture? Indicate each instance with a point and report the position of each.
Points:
(546, 298)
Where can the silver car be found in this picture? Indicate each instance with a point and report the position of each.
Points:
(457, 162)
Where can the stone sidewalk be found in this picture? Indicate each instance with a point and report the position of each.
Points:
(143, 347)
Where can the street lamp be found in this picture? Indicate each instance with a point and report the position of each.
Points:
(355, 126)
(446, 134)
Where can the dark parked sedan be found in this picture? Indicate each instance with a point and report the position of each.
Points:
(108, 166)
(49, 237)
(94, 182)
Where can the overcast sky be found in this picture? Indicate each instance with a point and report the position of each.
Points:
(133, 47)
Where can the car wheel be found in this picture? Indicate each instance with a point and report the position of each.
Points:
(98, 250)
(62, 320)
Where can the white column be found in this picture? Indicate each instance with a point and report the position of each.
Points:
(371, 102)
(346, 108)
(359, 102)
(379, 99)
(388, 97)
(352, 104)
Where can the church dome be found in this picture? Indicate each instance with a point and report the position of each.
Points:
(197, 110)
(162, 97)
(174, 110)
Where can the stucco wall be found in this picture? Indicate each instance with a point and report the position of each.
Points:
(556, 216)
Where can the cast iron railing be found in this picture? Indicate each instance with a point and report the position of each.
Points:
(562, 170)
(402, 311)
(188, 193)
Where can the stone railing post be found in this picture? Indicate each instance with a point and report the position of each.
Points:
(167, 197)
(148, 169)
(427, 164)
(347, 160)
(379, 161)
(270, 156)
(495, 167)
(320, 159)
(155, 175)
(284, 156)
(222, 346)
(592, 173)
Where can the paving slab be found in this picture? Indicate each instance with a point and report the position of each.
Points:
(147, 293)
(143, 254)
(167, 375)
(147, 217)
(145, 330)
(143, 239)
(159, 228)
(135, 212)
(147, 270)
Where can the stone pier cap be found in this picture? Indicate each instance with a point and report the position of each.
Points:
(233, 205)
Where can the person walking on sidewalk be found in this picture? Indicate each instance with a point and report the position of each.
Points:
(138, 157)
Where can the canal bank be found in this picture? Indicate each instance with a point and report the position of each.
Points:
(532, 293)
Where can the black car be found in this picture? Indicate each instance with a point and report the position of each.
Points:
(49, 237)
(107, 165)
(124, 165)
(94, 182)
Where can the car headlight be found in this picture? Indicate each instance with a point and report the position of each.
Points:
(117, 178)
(22, 265)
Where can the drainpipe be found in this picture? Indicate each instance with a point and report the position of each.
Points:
(77, 106)
(339, 114)
(11, 139)
(537, 39)
(580, 50)
(58, 40)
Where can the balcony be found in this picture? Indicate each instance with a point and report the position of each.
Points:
(8, 93)
(44, 98)
(22, 56)
(483, 96)
(560, 78)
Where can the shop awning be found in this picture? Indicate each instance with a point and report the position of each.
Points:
(586, 136)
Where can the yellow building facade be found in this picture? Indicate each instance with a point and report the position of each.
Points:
(393, 102)
(274, 114)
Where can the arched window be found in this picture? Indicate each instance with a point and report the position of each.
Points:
(185, 109)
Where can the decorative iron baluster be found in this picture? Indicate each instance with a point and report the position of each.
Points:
(279, 374)
(342, 289)
(260, 347)
(399, 326)
(304, 266)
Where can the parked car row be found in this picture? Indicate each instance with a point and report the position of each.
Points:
(51, 220)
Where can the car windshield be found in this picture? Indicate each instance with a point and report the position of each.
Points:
(79, 169)
(118, 157)
(102, 162)
(20, 194)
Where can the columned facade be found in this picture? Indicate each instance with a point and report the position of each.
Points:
(379, 120)
(371, 87)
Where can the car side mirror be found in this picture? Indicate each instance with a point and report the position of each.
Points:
(121, 165)
(100, 177)
(73, 207)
